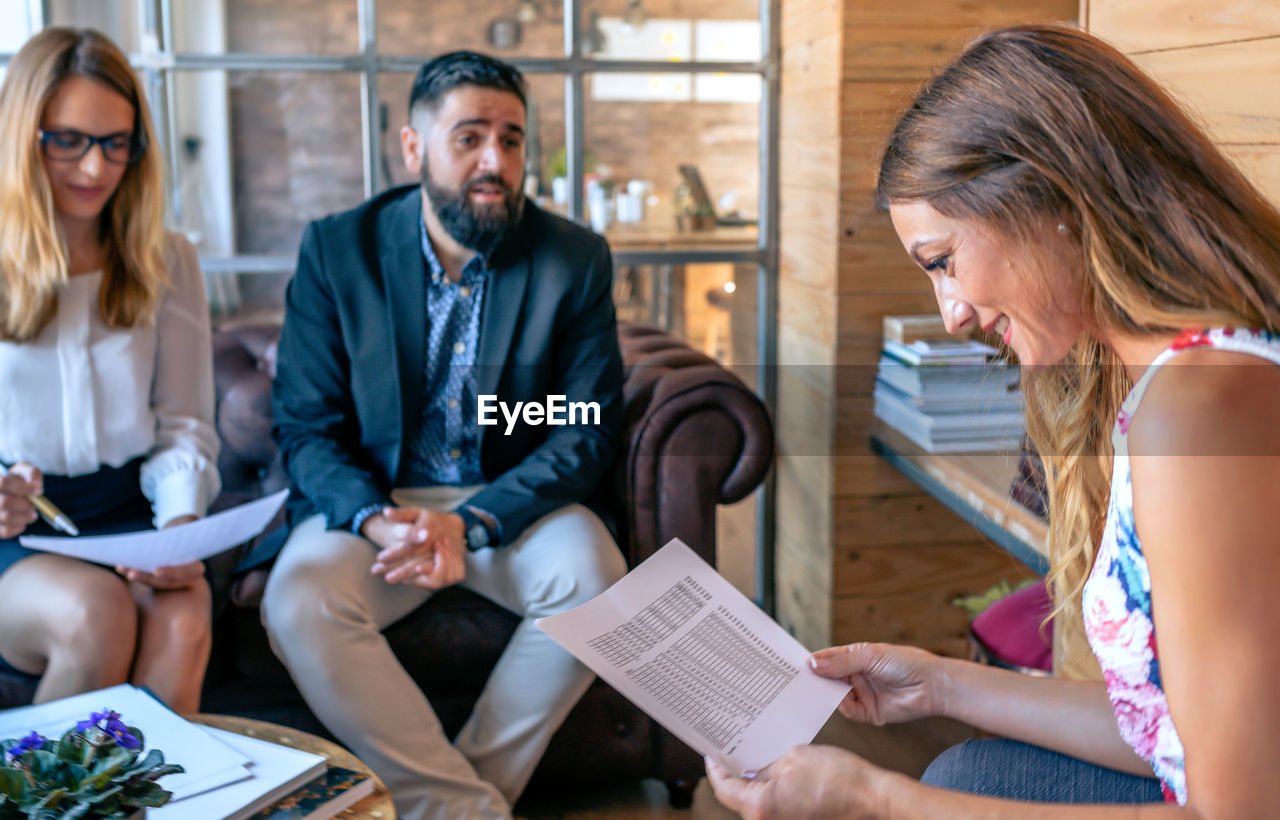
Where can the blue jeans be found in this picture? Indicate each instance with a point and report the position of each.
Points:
(1020, 771)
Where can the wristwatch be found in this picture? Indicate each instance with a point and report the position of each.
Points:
(475, 532)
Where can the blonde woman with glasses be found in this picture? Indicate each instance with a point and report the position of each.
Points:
(106, 383)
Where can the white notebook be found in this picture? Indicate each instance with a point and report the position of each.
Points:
(274, 771)
(209, 763)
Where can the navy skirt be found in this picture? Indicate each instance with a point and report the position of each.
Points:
(107, 502)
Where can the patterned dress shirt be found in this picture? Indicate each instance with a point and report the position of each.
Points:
(444, 446)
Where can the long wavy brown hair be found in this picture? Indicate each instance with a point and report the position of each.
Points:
(33, 256)
(1037, 125)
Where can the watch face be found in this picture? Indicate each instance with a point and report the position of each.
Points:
(477, 536)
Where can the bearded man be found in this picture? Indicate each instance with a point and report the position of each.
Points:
(404, 317)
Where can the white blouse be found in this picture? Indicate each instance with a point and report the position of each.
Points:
(81, 395)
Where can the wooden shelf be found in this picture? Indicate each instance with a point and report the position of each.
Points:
(975, 486)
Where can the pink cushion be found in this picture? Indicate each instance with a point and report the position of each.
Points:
(1010, 628)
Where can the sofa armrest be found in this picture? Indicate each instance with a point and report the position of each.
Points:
(243, 367)
(244, 358)
(694, 436)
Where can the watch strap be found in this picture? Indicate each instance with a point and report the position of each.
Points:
(363, 514)
(475, 532)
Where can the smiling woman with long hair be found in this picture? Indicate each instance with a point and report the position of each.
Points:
(105, 361)
(1056, 196)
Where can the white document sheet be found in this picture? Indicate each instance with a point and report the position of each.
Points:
(275, 771)
(209, 763)
(681, 643)
(150, 549)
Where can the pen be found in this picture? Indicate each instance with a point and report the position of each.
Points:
(56, 517)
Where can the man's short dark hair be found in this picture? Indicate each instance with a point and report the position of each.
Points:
(442, 74)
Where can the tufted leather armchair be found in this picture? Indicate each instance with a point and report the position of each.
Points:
(695, 437)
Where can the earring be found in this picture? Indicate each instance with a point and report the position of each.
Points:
(1062, 227)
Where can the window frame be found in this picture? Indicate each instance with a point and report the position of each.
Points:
(158, 62)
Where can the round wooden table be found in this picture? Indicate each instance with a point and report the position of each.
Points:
(376, 806)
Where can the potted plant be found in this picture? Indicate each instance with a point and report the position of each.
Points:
(97, 769)
(558, 173)
(703, 218)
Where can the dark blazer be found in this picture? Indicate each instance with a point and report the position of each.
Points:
(348, 389)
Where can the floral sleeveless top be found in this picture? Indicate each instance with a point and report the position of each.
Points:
(1117, 595)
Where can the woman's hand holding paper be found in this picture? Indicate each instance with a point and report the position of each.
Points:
(891, 684)
(808, 781)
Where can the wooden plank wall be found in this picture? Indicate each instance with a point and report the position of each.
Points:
(809, 211)
(862, 553)
(1219, 57)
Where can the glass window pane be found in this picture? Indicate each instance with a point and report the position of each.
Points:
(545, 151)
(266, 26)
(236, 296)
(297, 154)
(544, 148)
(670, 173)
(710, 305)
(118, 19)
(205, 163)
(719, 30)
(393, 92)
(16, 26)
(260, 154)
(504, 28)
(727, 40)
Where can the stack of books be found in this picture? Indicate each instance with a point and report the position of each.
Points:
(946, 394)
(227, 776)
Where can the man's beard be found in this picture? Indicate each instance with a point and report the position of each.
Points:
(478, 227)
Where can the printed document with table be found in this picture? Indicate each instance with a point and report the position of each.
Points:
(681, 643)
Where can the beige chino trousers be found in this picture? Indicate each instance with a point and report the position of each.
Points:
(325, 612)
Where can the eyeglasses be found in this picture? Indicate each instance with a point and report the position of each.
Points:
(69, 145)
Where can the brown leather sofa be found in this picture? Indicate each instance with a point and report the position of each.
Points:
(695, 437)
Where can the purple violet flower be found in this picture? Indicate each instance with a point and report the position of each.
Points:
(31, 741)
(110, 724)
(90, 723)
(116, 728)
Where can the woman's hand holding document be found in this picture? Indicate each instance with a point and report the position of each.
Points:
(149, 550)
(690, 650)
